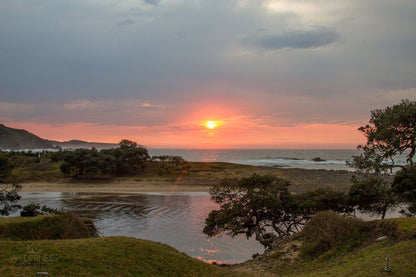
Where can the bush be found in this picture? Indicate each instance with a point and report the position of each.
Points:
(404, 184)
(37, 209)
(65, 226)
(389, 228)
(331, 231)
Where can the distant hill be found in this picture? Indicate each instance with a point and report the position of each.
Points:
(75, 144)
(19, 139)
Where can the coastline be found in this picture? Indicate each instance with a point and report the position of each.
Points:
(112, 187)
(201, 178)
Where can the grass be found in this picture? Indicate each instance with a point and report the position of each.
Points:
(202, 173)
(62, 246)
(367, 261)
(65, 226)
(406, 224)
(329, 234)
(111, 256)
(45, 172)
(349, 256)
(123, 256)
(8, 220)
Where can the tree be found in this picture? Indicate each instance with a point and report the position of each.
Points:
(5, 166)
(166, 162)
(404, 185)
(125, 143)
(107, 163)
(325, 199)
(81, 162)
(8, 193)
(126, 159)
(372, 195)
(129, 157)
(256, 204)
(391, 132)
(8, 198)
(262, 205)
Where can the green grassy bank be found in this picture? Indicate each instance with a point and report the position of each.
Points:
(348, 255)
(63, 245)
(112, 256)
(123, 256)
(52, 227)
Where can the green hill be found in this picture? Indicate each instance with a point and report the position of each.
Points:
(124, 256)
(76, 144)
(111, 256)
(339, 251)
(63, 245)
(18, 139)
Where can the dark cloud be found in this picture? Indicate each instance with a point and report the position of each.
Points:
(152, 2)
(296, 40)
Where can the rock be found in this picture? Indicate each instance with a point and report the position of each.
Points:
(381, 238)
(28, 213)
(318, 159)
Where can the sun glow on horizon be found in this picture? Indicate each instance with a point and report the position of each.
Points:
(211, 124)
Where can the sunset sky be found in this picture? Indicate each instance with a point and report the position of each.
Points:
(271, 74)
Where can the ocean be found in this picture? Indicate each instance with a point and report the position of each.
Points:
(285, 158)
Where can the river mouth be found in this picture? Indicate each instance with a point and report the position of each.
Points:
(176, 219)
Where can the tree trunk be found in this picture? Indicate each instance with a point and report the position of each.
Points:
(266, 240)
(383, 215)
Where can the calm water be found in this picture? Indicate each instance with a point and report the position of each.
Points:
(334, 159)
(174, 219)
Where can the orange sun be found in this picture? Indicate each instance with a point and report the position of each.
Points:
(211, 124)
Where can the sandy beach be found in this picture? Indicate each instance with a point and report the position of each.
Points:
(113, 187)
(301, 179)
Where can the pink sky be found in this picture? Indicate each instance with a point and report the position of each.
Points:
(240, 124)
(234, 134)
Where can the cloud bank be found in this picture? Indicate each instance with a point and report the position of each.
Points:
(296, 40)
(277, 63)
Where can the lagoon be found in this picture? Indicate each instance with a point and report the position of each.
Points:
(176, 219)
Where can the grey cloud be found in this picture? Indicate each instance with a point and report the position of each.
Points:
(296, 40)
(182, 49)
(152, 2)
(127, 21)
(117, 112)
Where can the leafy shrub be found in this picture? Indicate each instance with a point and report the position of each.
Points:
(387, 228)
(404, 184)
(65, 226)
(331, 231)
(36, 208)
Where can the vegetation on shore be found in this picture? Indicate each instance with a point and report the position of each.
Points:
(47, 227)
(333, 245)
(336, 253)
(391, 132)
(32, 168)
(262, 205)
